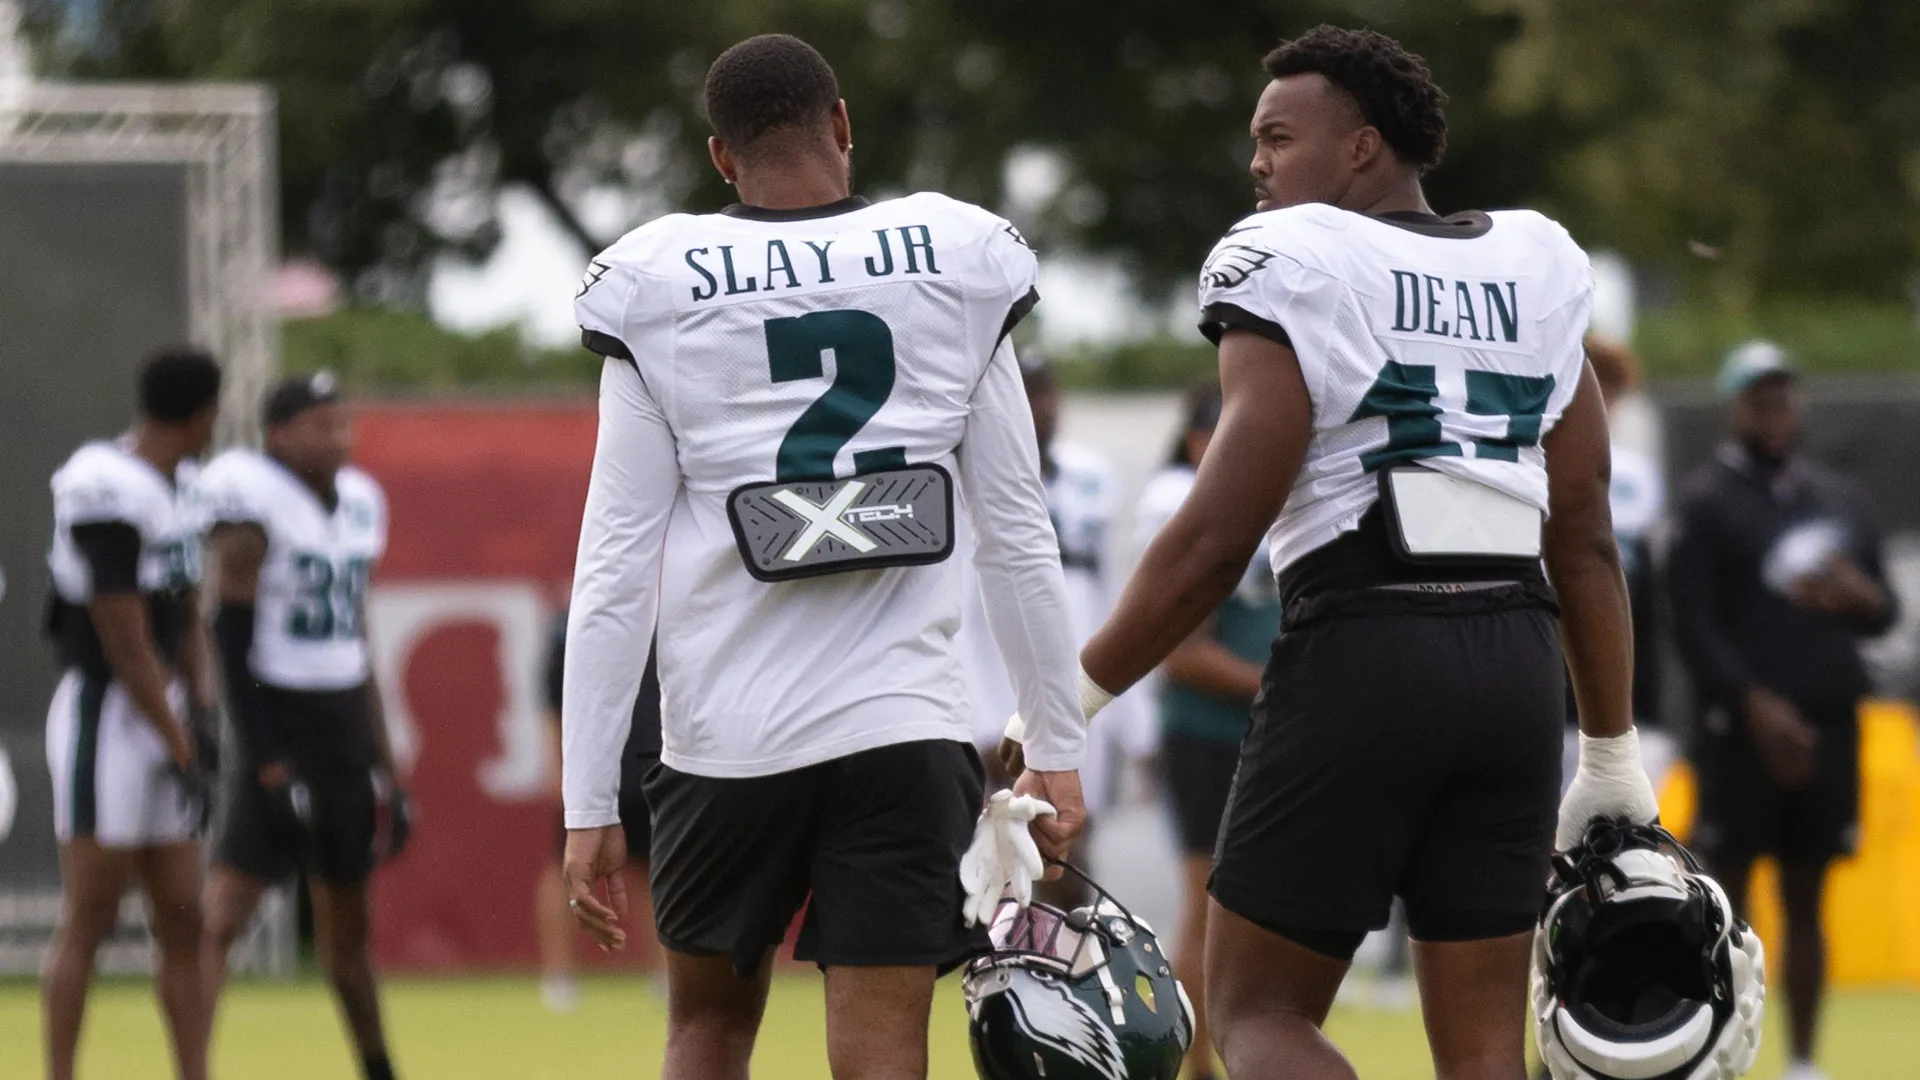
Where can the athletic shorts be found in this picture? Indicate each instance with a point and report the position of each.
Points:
(113, 779)
(257, 832)
(1743, 814)
(1403, 743)
(1198, 774)
(875, 838)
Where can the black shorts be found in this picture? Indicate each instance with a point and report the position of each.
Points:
(1403, 743)
(257, 833)
(1198, 773)
(1743, 814)
(874, 837)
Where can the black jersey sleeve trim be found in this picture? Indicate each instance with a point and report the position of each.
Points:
(606, 345)
(1021, 309)
(112, 552)
(1218, 318)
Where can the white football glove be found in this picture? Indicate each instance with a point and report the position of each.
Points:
(1092, 700)
(1002, 856)
(1611, 781)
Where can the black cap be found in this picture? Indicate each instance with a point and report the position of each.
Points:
(298, 394)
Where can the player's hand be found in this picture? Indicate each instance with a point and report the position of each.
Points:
(1610, 782)
(1003, 857)
(1055, 834)
(593, 856)
(180, 746)
(1784, 740)
(275, 774)
(393, 810)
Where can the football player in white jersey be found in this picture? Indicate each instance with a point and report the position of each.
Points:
(125, 562)
(1409, 420)
(794, 389)
(296, 533)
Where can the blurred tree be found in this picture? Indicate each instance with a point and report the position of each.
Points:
(1755, 145)
(1747, 145)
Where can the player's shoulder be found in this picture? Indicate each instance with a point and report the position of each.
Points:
(642, 246)
(103, 480)
(972, 221)
(353, 482)
(1534, 228)
(1302, 234)
(239, 465)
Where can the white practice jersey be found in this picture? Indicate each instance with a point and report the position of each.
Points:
(313, 585)
(764, 347)
(1454, 344)
(108, 482)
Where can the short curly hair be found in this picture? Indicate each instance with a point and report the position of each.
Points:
(1393, 88)
(765, 84)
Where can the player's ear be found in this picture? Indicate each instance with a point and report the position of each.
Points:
(1367, 145)
(842, 127)
(722, 159)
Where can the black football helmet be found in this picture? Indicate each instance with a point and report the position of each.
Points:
(1641, 969)
(1086, 994)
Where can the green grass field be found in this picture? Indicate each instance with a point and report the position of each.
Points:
(495, 1029)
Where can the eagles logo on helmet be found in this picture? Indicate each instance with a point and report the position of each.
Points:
(1641, 969)
(1086, 994)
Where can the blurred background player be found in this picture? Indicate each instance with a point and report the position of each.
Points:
(124, 617)
(1775, 576)
(1081, 502)
(296, 532)
(559, 990)
(1207, 688)
(815, 747)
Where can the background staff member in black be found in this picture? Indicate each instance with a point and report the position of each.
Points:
(124, 616)
(296, 532)
(1775, 575)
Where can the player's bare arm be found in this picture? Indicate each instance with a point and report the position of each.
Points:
(239, 550)
(1596, 626)
(1584, 563)
(126, 636)
(1202, 553)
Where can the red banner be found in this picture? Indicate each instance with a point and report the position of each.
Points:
(485, 503)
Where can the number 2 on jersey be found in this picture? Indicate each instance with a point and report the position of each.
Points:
(862, 346)
(1404, 394)
(320, 609)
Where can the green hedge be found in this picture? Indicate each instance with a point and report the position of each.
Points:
(373, 349)
(387, 351)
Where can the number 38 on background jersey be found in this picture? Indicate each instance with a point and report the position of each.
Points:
(313, 585)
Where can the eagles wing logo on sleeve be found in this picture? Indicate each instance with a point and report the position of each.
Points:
(1061, 1022)
(1231, 264)
(595, 271)
(1015, 233)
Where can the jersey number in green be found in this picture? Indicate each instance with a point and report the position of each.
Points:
(1404, 394)
(326, 604)
(862, 347)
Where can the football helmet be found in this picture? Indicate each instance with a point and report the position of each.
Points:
(1641, 970)
(1087, 994)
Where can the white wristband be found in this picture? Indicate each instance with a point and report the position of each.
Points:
(1092, 700)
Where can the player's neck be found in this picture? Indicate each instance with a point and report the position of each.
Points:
(321, 484)
(158, 447)
(1404, 196)
(796, 184)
